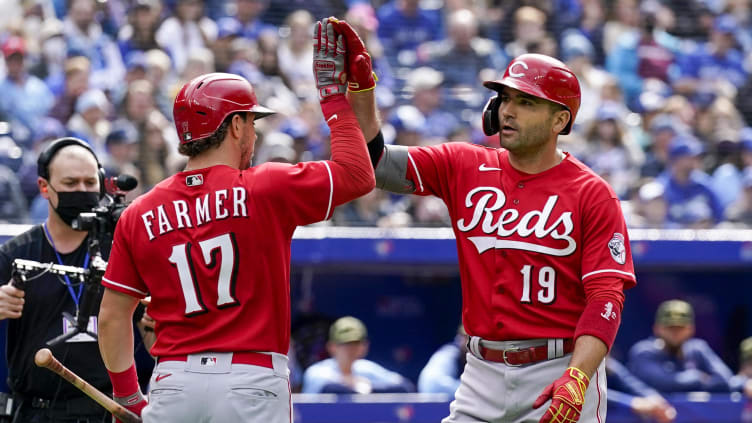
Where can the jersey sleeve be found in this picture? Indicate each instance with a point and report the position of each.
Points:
(606, 250)
(121, 274)
(304, 191)
(431, 168)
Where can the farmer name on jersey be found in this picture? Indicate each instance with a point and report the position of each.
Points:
(486, 201)
(181, 214)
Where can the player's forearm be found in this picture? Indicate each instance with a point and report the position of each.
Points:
(352, 170)
(116, 330)
(364, 106)
(588, 354)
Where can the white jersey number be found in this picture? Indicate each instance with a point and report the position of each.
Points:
(226, 246)
(546, 281)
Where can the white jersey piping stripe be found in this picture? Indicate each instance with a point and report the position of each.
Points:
(120, 285)
(415, 168)
(609, 271)
(331, 191)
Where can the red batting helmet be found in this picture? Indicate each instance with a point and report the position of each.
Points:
(544, 77)
(204, 103)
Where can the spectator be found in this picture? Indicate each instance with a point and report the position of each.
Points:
(77, 70)
(691, 199)
(648, 52)
(610, 151)
(740, 211)
(187, 30)
(728, 174)
(673, 360)
(463, 55)
(90, 121)
(404, 25)
(644, 401)
(713, 63)
(13, 205)
(228, 30)
(295, 53)
(662, 129)
(53, 53)
(347, 371)
(247, 18)
(140, 33)
(578, 53)
(372, 209)
(592, 27)
(529, 32)
(25, 98)
(425, 86)
(122, 146)
(442, 372)
(85, 38)
(648, 206)
(408, 125)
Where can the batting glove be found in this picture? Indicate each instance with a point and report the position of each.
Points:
(359, 67)
(568, 396)
(328, 61)
(134, 403)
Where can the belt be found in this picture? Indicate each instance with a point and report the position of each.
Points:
(242, 357)
(518, 357)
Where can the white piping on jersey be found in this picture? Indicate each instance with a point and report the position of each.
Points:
(415, 168)
(609, 271)
(331, 190)
(126, 287)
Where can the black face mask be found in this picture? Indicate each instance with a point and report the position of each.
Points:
(71, 204)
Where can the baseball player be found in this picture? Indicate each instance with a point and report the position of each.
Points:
(542, 244)
(211, 245)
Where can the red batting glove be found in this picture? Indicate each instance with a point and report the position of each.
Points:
(126, 391)
(568, 393)
(360, 76)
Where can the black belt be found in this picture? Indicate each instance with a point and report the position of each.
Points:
(78, 406)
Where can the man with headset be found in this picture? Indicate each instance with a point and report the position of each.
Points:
(70, 178)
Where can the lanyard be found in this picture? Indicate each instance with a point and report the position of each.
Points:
(68, 283)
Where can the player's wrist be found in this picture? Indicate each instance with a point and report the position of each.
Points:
(333, 104)
(125, 383)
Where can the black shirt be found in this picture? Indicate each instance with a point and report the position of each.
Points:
(47, 297)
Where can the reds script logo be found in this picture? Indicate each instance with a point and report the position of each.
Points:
(617, 248)
(486, 200)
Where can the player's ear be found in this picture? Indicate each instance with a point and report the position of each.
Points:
(43, 187)
(560, 120)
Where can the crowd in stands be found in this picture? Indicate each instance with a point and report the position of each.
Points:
(666, 93)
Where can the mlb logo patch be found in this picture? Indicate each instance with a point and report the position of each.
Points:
(209, 361)
(194, 180)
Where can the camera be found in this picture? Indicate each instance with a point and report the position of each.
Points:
(102, 219)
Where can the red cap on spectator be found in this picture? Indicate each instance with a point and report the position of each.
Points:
(14, 44)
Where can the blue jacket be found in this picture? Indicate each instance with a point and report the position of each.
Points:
(325, 377)
(442, 372)
(698, 368)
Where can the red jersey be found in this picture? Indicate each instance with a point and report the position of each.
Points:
(527, 244)
(212, 246)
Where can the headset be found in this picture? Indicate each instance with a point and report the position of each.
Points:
(44, 159)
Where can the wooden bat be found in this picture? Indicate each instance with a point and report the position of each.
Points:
(44, 358)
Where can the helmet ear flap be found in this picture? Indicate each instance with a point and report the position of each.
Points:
(491, 116)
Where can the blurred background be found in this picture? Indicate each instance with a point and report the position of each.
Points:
(665, 119)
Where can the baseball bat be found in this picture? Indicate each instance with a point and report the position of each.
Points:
(44, 358)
